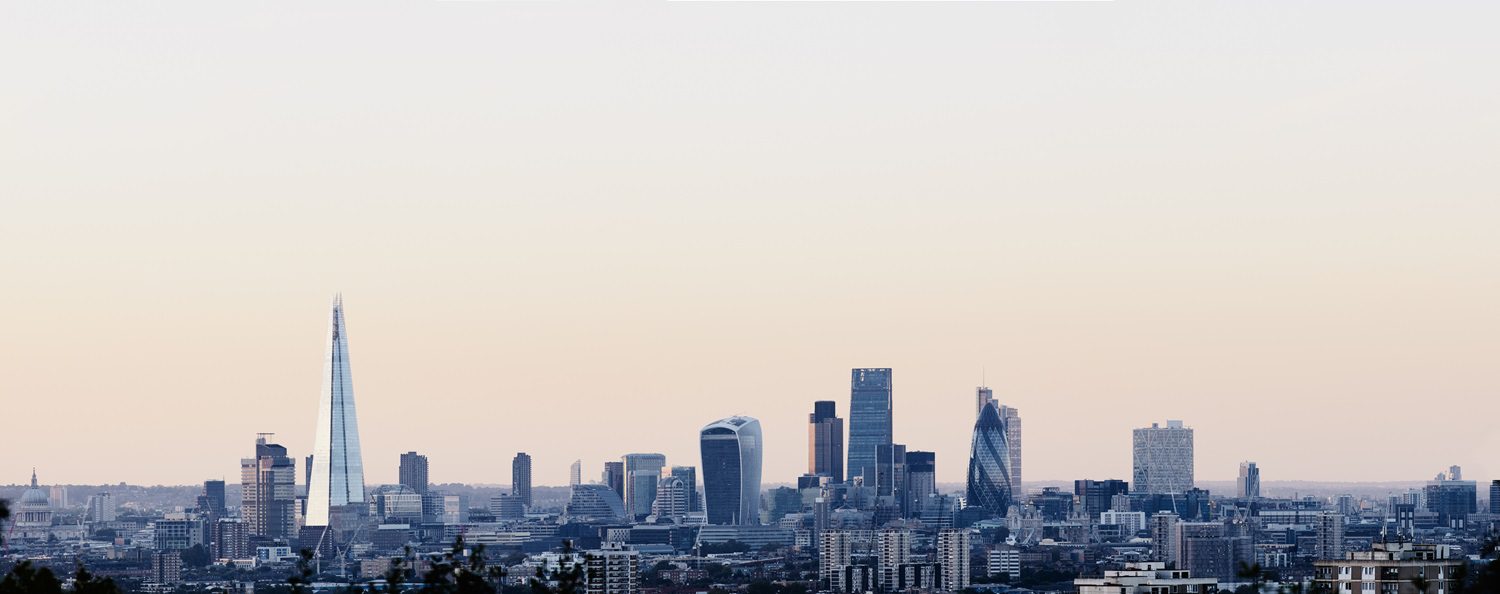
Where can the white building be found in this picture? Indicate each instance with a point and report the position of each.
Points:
(1129, 522)
(953, 553)
(613, 569)
(893, 549)
(1003, 561)
(1146, 578)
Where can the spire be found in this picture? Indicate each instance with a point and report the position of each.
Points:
(33, 477)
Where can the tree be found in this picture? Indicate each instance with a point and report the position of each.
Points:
(85, 583)
(195, 556)
(25, 579)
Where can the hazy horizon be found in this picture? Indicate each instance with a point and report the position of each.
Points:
(586, 229)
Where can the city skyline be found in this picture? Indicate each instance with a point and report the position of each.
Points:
(1110, 213)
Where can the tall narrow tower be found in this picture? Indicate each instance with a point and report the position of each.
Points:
(338, 475)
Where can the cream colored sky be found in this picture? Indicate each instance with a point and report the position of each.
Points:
(581, 230)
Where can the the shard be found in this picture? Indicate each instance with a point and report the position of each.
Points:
(338, 476)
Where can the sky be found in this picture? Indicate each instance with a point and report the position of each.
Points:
(585, 229)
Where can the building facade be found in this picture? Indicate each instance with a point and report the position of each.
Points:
(269, 491)
(953, 554)
(989, 483)
(825, 441)
(870, 410)
(413, 472)
(337, 472)
(520, 477)
(1163, 458)
(1248, 484)
(1390, 568)
(613, 569)
(731, 451)
(641, 473)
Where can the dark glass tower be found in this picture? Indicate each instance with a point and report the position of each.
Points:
(614, 477)
(825, 441)
(921, 481)
(989, 478)
(869, 420)
(731, 451)
(520, 477)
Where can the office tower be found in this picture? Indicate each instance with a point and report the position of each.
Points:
(1455, 473)
(953, 554)
(1011, 417)
(613, 569)
(642, 472)
(731, 450)
(520, 477)
(671, 503)
(835, 551)
(613, 477)
(1129, 522)
(989, 483)
(982, 395)
(1003, 561)
(1495, 497)
(413, 472)
(338, 475)
(1452, 499)
(177, 531)
(890, 471)
(594, 503)
(689, 476)
(507, 508)
(921, 481)
(575, 473)
(869, 420)
(1097, 497)
(269, 491)
(212, 500)
(1163, 458)
(892, 549)
(101, 507)
(1248, 485)
(825, 441)
(1163, 526)
(1330, 535)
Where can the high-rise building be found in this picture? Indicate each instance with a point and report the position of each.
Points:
(1163, 527)
(892, 549)
(166, 568)
(689, 476)
(642, 472)
(1452, 499)
(613, 569)
(989, 484)
(230, 540)
(413, 472)
(268, 484)
(1392, 567)
(1495, 497)
(1012, 419)
(575, 473)
(953, 555)
(731, 450)
(672, 503)
(982, 395)
(870, 407)
(520, 477)
(613, 476)
(507, 507)
(1330, 535)
(890, 471)
(921, 481)
(1248, 485)
(594, 503)
(1163, 461)
(825, 441)
(101, 507)
(835, 552)
(338, 470)
(1097, 497)
(211, 501)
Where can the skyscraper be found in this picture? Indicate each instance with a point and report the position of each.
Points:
(953, 554)
(212, 499)
(338, 470)
(689, 476)
(731, 450)
(268, 484)
(1248, 485)
(1097, 497)
(982, 395)
(890, 471)
(520, 477)
(1495, 497)
(672, 502)
(641, 473)
(989, 483)
(825, 441)
(1163, 461)
(414, 472)
(921, 481)
(575, 473)
(870, 409)
(1012, 419)
(613, 476)
(893, 549)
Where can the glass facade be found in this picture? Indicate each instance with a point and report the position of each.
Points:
(869, 420)
(989, 478)
(338, 476)
(731, 450)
